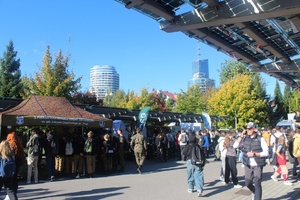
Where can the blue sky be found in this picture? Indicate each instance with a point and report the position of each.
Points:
(104, 32)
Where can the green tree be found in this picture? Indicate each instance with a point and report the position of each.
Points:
(85, 98)
(260, 86)
(118, 99)
(230, 69)
(132, 100)
(276, 105)
(295, 101)
(146, 99)
(191, 101)
(170, 104)
(10, 74)
(238, 97)
(287, 98)
(53, 79)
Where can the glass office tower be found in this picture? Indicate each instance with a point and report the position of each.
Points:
(201, 75)
(201, 66)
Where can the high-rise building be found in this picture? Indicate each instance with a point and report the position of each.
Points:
(104, 80)
(201, 66)
(201, 74)
(199, 79)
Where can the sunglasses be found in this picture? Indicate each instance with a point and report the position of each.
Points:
(249, 128)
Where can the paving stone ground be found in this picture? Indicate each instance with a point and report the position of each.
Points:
(159, 181)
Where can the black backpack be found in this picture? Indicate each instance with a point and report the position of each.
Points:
(54, 147)
(197, 156)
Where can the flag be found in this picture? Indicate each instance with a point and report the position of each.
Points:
(206, 120)
(143, 116)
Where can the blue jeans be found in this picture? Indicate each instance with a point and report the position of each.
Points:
(195, 176)
(240, 156)
(295, 166)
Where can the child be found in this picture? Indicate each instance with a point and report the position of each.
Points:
(281, 160)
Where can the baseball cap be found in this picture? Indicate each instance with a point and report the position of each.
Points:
(251, 125)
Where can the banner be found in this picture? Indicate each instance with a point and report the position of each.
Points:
(206, 120)
(143, 116)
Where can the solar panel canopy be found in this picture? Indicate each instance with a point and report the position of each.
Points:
(264, 34)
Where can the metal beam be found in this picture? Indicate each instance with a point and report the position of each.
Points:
(259, 38)
(154, 7)
(235, 11)
(296, 22)
(293, 66)
(285, 79)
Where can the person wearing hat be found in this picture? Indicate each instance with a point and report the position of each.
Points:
(194, 171)
(255, 149)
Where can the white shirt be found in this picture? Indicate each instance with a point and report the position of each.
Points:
(182, 135)
(221, 147)
(273, 139)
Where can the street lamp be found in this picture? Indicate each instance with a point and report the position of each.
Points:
(108, 95)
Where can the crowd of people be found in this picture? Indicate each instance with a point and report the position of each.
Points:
(72, 155)
(68, 155)
(253, 147)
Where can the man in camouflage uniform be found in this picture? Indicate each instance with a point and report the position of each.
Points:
(139, 146)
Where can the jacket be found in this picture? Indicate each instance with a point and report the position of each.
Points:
(138, 143)
(34, 146)
(296, 148)
(253, 145)
(94, 146)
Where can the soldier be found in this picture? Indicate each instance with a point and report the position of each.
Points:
(139, 146)
(121, 146)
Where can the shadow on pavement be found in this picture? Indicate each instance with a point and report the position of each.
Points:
(84, 194)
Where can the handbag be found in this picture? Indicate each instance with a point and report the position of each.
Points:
(274, 160)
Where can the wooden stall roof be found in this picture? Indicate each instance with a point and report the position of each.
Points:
(46, 110)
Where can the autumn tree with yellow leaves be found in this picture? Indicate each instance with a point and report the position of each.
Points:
(238, 98)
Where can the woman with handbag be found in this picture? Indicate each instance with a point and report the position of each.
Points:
(281, 160)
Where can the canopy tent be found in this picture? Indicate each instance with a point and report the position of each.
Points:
(51, 111)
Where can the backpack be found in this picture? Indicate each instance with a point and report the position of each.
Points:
(274, 156)
(88, 147)
(183, 138)
(110, 149)
(54, 147)
(36, 146)
(200, 140)
(197, 157)
(7, 168)
(69, 149)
